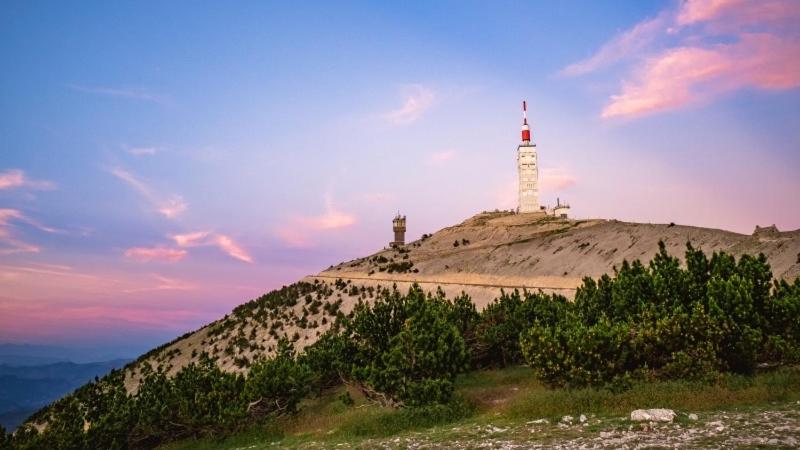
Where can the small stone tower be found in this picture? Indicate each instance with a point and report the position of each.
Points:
(528, 169)
(399, 226)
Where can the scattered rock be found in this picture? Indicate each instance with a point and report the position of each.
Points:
(567, 420)
(491, 429)
(716, 425)
(582, 418)
(653, 415)
(537, 422)
(693, 416)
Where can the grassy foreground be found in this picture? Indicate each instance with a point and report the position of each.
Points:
(499, 400)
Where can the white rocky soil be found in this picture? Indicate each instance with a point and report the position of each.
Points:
(778, 427)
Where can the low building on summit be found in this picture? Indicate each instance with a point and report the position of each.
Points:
(399, 228)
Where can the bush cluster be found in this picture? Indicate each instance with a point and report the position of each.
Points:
(200, 400)
(662, 320)
(665, 321)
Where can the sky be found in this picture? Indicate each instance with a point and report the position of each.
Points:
(163, 162)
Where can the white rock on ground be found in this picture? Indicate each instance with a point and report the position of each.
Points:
(653, 415)
(693, 416)
(537, 421)
(567, 420)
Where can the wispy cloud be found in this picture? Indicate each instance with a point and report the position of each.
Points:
(126, 93)
(15, 178)
(331, 219)
(690, 75)
(293, 236)
(708, 48)
(623, 46)
(206, 238)
(440, 158)
(298, 231)
(169, 207)
(162, 283)
(556, 179)
(417, 100)
(9, 244)
(142, 151)
(146, 254)
(375, 197)
(49, 270)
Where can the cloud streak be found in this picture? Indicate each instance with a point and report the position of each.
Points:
(162, 283)
(556, 179)
(206, 238)
(170, 207)
(624, 46)
(418, 99)
(720, 46)
(15, 178)
(298, 232)
(146, 254)
(9, 244)
(126, 93)
(142, 151)
(440, 158)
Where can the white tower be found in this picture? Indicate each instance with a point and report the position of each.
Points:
(527, 168)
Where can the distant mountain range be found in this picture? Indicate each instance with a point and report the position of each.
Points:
(26, 387)
(18, 354)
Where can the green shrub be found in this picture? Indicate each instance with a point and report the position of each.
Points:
(499, 326)
(665, 321)
(405, 349)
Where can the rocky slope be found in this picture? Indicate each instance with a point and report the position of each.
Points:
(481, 256)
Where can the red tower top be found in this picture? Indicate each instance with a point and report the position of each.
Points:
(526, 130)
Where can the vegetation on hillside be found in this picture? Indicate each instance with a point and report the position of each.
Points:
(656, 321)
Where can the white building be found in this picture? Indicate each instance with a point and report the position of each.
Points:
(528, 169)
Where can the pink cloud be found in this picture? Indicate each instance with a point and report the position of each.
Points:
(690, 75)
(15, 178)
(556, 179)
(329, 220)
(171, 207)
(298, 232)
(708, 48)
(155, 254)
(234, 250)
(418, 99)
(439, 158)
(162, 283)
(9, 244)
(189, 239)
(292, 236)
(207, 238)
(733, 14)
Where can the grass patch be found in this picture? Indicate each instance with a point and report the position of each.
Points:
(510, 396)
(514, 394)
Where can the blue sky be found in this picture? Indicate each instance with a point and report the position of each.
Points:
(161, 162)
